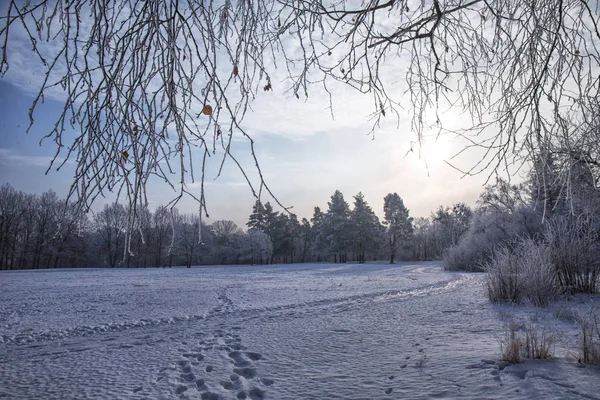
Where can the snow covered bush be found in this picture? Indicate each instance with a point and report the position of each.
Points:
(502, 281)
(590, 337)
(512, 346)
(538, 341)
(258, 246)
(531, 341)
(470, 254)
(490, 229)
(538, 282)
(575, 251)
(523, 272)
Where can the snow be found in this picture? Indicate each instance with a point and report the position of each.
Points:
(303, 331)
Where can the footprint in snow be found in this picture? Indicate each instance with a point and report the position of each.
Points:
(256, 394)
(267, 381)
(243, 368)
(188, 377)
(227, 385)
(180, 389)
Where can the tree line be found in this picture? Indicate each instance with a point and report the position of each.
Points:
(40, 231)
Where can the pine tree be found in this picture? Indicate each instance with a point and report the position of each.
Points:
(334, 229)
(257, 219)
(307, 239)
(364, 227)
(265, 219)
(398, 223)
(319, 243)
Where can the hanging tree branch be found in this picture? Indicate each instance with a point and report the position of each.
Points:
(146, 82)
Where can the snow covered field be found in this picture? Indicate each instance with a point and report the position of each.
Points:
(308, 331)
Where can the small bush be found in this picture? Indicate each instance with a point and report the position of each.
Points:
(539, 274)
(590, 338)
(575, 252)
(512, 346)
(525, 271)
(503, 277)
(526, 342)
(538, 342)
(468, 255)
(489, 229)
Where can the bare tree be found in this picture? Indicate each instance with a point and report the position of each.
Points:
(10, 223)
(163, 233)
(187, 227)
(147, 82)
(111, 228)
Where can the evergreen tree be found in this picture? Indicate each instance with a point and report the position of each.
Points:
(265, 219)
(334, 229)
(398, 223)
(364, 228)
(307, 239)
(319, 244)
(258, 218)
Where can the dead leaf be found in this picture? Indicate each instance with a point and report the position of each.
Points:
(207, 110)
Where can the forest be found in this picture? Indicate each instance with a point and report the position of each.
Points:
(45, 231)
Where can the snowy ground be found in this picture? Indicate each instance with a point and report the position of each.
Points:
(318, 331)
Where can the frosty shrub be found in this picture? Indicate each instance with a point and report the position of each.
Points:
(531, 341)
(470, 254)
(512, 345)
(575, 251)
(502, 281)
(526, 271)
(538, 341)
(490, 229)
(590, 337)
(538, 282)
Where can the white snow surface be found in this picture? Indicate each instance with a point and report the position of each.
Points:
(303, 331)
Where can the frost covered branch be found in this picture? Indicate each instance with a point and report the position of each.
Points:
(160, 88)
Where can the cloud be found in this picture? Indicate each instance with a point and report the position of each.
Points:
(11, 158)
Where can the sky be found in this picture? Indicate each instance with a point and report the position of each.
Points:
(305, 153)
(303, 163)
